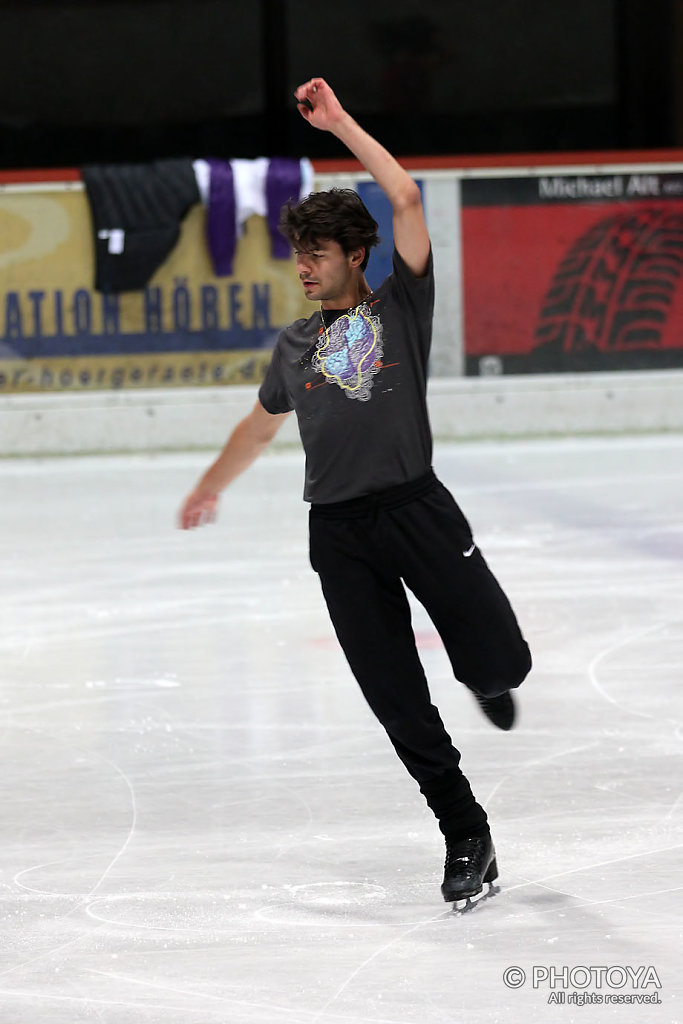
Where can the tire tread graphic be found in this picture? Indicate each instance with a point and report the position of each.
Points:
(614, 288)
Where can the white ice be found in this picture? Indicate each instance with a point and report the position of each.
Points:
(202, 823)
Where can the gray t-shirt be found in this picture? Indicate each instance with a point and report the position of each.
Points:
(359, 389)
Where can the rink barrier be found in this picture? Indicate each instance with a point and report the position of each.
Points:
(91, 341)
(460, 408)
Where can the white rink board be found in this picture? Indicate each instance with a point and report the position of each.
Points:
(170, 419)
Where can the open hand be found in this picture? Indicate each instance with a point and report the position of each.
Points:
(198, 509)
(327, 110)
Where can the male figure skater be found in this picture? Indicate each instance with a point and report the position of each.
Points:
(355, 374)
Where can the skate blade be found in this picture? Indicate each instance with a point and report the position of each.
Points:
(470, 903)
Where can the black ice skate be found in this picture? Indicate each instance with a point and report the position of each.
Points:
(469, 864)
(499, 710)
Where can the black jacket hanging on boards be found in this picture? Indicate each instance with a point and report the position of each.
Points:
(136, 210)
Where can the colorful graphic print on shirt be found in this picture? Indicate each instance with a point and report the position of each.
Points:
(349, 352)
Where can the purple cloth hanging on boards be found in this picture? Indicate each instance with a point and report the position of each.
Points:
(283, 182)
(221, 220)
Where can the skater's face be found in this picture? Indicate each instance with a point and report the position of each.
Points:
(328, 274)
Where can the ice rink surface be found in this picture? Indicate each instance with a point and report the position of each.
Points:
(203, 824)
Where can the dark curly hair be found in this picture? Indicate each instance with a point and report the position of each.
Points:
(337, 215)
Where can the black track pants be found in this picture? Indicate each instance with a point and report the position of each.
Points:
(364, 550)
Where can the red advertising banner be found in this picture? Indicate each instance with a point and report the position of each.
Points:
(573, 272)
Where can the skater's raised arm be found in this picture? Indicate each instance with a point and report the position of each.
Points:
(411, 237)
(249, 438)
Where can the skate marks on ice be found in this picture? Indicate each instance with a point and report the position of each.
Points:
(633, 639)
(578, 900)
(248, 768)
(80, 901)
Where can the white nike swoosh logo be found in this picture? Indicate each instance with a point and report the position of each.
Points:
(466, 554)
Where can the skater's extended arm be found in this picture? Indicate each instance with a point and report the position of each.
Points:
(245, 444)
(410, 230)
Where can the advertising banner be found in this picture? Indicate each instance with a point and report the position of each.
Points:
(187, 327)
(573, 272)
